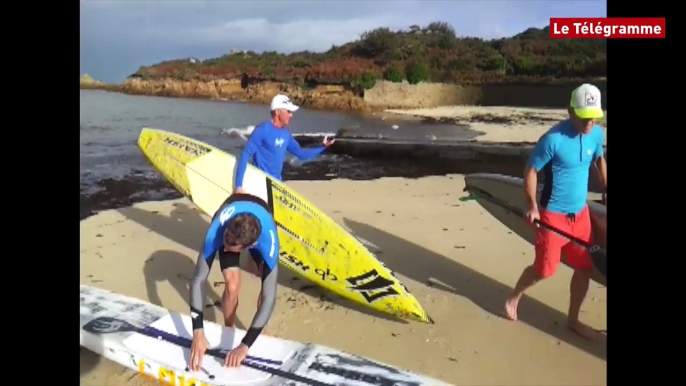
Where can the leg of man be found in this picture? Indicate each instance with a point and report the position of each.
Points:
(548, 251)
(230, 266)
(580, 259)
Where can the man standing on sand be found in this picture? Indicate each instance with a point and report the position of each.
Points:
(270, 140)
(242, 222)
(565, 154)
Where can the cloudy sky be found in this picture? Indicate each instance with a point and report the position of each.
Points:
(118, 36)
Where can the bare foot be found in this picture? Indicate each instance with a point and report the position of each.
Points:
(511, 309)
(583, 330)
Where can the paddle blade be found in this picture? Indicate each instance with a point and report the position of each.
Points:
(600, 261)
(106, 325)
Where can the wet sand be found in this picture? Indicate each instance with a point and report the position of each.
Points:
(498, 123)
(457, 259)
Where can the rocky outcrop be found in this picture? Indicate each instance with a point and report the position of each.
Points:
(383, 95)
(421, 67)
(320, 97)
(87, 82)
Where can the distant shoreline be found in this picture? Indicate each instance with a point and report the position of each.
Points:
(503, 124)
(382, 96)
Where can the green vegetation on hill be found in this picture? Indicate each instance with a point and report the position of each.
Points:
(433, 53)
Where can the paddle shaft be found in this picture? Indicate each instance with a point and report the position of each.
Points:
(593, 249)
(187, 343)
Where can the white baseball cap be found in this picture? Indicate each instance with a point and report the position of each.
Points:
(586, 102)
(281, 101)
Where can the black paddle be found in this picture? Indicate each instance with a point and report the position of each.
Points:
(105, 325)
(598, 254)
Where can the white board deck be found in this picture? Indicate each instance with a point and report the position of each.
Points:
(170, 355)
(167, 361)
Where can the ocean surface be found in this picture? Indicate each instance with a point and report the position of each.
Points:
(114, 172)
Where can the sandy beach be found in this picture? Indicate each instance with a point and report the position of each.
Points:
(458, 261)
(499, 123)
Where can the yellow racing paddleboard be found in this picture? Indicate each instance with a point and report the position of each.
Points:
(312, 244)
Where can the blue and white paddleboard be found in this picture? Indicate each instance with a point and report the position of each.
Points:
(155, 342)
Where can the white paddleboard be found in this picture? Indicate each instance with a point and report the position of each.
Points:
(155, 342)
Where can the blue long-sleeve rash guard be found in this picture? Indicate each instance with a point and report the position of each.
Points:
(267, 148)
(268, 247)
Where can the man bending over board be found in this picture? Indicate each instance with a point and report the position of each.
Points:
(565, 154)
(242, 222)
(269, 142)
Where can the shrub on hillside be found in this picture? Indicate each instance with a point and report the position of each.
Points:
(494, 62)
(416, 72)
(393, 74)
(433, 53)
(376, 42)
(367, 80)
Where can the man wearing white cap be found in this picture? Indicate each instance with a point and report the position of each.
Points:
(565, 154)
(270, 140)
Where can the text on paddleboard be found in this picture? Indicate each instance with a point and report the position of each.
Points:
(187, 146)
(294, 261)
(168, 377)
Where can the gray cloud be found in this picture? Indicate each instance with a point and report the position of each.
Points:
(119, 36)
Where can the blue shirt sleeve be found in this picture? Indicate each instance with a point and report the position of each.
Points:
(250, 149)
(212, 240)
(543, 152)
(303, 154)
(599, 151)
(269, 248)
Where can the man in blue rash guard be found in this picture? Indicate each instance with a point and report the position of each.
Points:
(269, 142)
(242, 222)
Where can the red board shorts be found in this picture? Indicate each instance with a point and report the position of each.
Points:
(550, 245)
